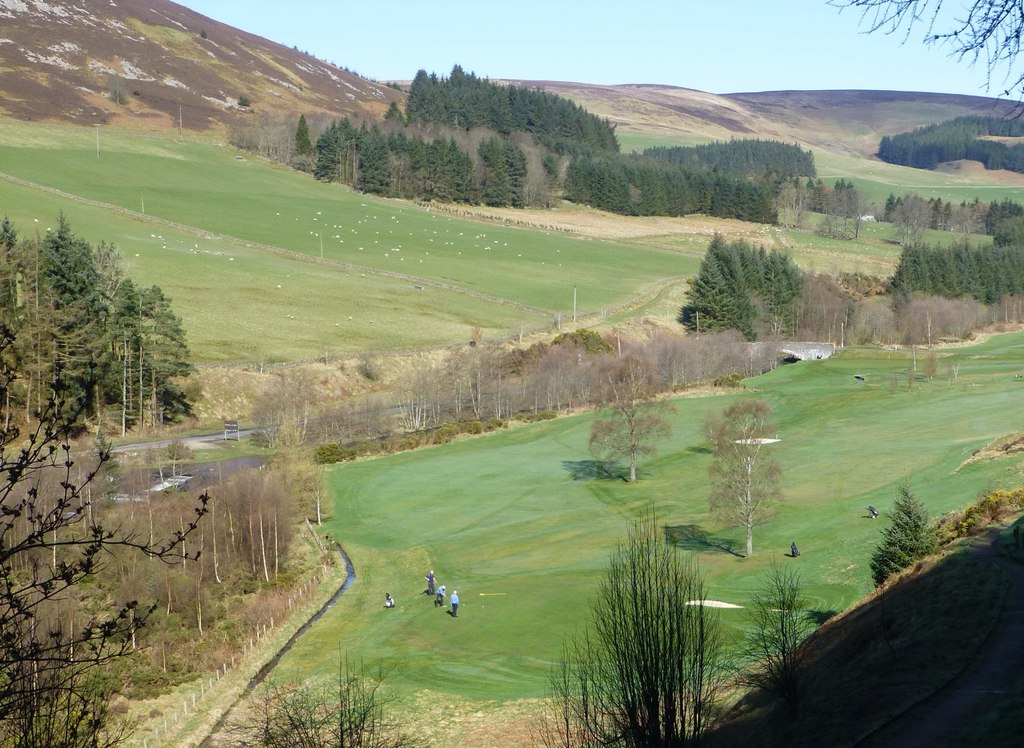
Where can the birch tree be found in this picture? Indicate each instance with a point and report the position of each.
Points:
(744, 476)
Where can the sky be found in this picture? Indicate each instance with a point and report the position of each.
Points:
(718, 46)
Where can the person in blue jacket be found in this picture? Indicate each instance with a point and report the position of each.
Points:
(455, 603)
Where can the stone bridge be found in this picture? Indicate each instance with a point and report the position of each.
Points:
(808, 351)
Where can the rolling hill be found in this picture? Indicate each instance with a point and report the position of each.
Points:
(849, 122)
(157, 64)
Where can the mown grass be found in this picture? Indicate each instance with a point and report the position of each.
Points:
(520, 516)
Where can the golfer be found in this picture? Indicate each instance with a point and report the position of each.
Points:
(439, 600)
(455, 603)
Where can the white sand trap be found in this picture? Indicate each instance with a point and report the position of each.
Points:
(762, 440)
(712, 604)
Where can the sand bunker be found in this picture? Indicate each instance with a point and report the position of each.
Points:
(712, 604)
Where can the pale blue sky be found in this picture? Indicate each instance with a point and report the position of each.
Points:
(722, 47)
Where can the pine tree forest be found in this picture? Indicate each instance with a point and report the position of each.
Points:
(119, 350)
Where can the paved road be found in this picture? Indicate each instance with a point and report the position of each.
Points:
(192, 442)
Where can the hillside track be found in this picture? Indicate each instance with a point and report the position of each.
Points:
(937, 721)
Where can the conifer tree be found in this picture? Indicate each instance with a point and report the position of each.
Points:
(303, 145)
(910, 537)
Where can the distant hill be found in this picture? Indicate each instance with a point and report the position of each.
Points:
(136, 63)
(845, 121)
(142, 64)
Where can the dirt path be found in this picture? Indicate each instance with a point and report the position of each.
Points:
(937, 720)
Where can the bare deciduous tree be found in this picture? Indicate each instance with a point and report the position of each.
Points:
(633, 419)
(52, 542)
(988, 30)
(349, 713)
(912, 218)
(651, 670)
(792, 204)
(780, 624)
(745, 478)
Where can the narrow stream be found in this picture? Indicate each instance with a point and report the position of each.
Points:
(264, 671)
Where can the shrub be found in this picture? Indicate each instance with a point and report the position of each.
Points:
(407, 443)
(583, 338)
(370, 369)
(244, 101)
(543, 415)
(992, 507)
(327, 454)
(446, 433)
(728, 380)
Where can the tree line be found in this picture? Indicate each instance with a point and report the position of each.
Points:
(641, 186)
(934, 293)
(411, 167)
(485, 382)
(463, 100)
(745, 288)
(118, 349)
(960, 138)
(464, 139)
(744, 157)
(112, 588)
(987, 274)
(840, 205)
(500, 172)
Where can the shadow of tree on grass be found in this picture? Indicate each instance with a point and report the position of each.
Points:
(820, 616)
(696, 538)
(592, 469)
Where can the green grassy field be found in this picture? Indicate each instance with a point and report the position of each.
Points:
(236, 243)
(516, 523)
(875, 180)
(375, 251)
